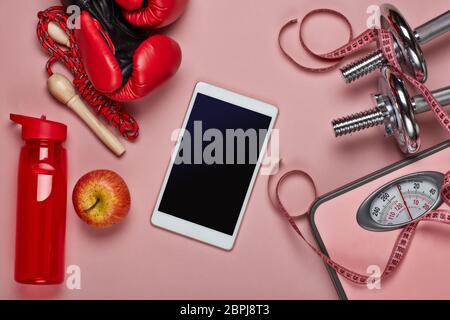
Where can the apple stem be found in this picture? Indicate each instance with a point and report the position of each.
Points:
(97, 200)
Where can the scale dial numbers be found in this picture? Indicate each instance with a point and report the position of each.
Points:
(404, 202)
(401, 202)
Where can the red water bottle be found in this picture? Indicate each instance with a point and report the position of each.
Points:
(41, 202)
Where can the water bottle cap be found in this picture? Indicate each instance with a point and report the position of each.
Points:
(40, 128)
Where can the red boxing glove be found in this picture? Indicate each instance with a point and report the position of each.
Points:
(130, 5)
(122, 61)
(154, 62)
(152, 13)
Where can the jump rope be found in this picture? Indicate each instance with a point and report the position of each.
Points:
(386, 42)
(71, 58)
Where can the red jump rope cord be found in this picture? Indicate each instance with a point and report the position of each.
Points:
(109, 109)
(386, 42)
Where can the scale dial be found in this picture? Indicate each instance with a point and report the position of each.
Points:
(401, 201)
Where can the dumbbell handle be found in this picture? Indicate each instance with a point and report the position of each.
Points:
(423, 34)
(376, 117)
(433, 28)
(420, 105)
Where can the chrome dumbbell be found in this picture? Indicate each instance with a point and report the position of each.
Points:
(395, 109)
(407, 45)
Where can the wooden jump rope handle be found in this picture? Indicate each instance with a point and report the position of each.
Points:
(63, 90)
(58, 35)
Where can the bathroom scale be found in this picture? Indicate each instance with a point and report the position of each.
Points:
(358, 224)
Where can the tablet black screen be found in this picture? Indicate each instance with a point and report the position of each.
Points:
(214, 164)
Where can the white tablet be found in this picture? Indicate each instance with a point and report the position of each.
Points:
(214, 165)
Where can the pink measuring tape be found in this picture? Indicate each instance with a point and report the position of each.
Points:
(387, 45)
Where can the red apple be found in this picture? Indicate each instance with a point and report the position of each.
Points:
(101, 198)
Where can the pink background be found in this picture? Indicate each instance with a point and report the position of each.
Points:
(230, 43)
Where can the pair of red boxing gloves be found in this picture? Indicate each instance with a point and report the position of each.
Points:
(122, 54)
